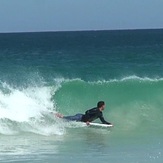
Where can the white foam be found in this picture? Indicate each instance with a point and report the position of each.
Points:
(26, 107)
(22, 105)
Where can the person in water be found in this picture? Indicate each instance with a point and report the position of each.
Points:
(89, 116)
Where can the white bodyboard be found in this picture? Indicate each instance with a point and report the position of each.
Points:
(98, 125)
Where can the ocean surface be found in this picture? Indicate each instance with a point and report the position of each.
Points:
(69, 72)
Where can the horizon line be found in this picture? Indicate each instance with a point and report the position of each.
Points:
(85, 30)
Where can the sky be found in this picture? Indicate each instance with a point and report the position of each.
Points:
(73, 15)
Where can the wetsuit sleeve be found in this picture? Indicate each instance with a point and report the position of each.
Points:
(103, 120)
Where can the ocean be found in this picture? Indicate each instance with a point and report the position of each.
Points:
(44, 73)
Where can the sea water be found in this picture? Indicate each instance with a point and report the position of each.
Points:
(69, 72)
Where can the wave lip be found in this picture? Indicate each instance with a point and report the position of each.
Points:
(129, 78)
(59, 81)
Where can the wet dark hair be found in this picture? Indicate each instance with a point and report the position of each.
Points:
(100, 104)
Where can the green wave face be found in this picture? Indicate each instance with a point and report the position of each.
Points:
(132, 104)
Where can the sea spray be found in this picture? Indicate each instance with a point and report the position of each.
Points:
(27, 110)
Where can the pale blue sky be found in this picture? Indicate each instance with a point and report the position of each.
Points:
(59, 15)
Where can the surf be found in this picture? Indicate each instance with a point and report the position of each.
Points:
(133, 104)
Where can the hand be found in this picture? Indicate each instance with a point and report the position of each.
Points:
(87, 123)
(58, 115)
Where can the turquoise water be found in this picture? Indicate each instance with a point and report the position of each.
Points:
(68, 72)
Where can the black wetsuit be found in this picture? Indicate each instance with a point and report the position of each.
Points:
(92, 114)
